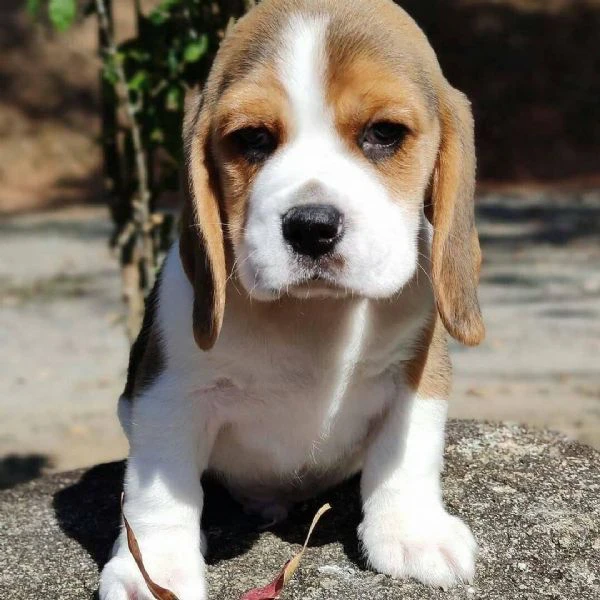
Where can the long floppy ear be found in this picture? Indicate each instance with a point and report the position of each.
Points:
(201, 242)
(456, 255)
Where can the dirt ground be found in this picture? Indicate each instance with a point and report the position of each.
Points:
(63, 350)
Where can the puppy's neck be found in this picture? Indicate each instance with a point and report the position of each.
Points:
(322, 324)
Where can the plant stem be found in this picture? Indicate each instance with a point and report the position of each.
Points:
(141, 213)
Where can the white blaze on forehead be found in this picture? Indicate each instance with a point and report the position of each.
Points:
(302, 67)
(378, 247)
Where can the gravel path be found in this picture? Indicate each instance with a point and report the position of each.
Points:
(532, 545)
(63, 351)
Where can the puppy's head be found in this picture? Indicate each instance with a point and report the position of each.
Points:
(324, 139)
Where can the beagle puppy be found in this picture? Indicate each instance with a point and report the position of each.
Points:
(297, 332)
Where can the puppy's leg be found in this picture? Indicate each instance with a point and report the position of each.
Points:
(406, 531)
(170, 444)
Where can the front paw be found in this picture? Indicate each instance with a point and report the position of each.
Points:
(177, 566)
(428, 545)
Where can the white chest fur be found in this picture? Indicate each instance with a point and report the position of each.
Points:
(294, 386)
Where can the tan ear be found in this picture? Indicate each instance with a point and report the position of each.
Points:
(201, 242)
(456, 255)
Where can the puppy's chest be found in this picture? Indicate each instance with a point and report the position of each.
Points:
(296, 396)
(294, 413)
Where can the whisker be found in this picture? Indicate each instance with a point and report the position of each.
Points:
(426, 273)
(237, 263)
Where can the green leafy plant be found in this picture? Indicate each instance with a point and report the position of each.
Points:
(143, 85)
(62, 13)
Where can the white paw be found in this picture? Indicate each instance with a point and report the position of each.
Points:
(428, 545)
(178, 567)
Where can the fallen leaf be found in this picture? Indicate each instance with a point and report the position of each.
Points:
(273, 589)
(160, 593)
(269, 592)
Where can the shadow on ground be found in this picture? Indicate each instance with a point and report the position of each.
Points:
(89, 512)
(509, 221)
(20, 468)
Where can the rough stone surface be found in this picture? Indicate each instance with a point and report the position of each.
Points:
(532, 499)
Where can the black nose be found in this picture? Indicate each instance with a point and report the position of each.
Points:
(313, 229)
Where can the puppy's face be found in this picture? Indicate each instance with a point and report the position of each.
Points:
(324, 131)
(325, 154)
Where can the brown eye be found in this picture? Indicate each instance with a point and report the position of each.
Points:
(381, 139)
(255, 143)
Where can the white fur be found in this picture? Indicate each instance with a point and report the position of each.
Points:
(287, 405)
(379, 246)
(406, 531)
(169, 447)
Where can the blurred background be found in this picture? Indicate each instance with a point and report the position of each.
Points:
(532, 71)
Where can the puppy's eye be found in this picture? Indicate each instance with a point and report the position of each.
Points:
(255, 143)
(381, 139)
(384, 133)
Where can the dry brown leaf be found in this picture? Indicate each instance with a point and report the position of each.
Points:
(273, 589)
(269, 592)
(160, 593)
